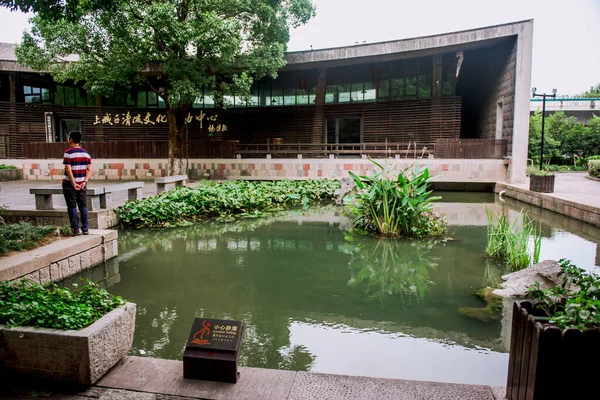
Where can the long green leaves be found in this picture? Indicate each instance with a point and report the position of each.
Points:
(396, 207)
(224, 199)
(509, 242)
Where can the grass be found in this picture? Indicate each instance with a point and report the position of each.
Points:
(23, 236)
(28, 304)
(509, 242)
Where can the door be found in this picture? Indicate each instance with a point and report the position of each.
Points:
(343, 130)
(66, 126)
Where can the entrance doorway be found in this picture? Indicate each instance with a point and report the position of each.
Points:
(66, 126)
(343, 130)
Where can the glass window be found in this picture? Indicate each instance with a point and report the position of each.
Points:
(383, 93)
(45, 95)
(69, 96)
(344, 93)
(80, 97)
(33, 99)
(411, 87)
(369, 92)
(141, 99)
(119, 98)
(290, 97)
(59, 96)
(398, 89)
(254, 95)
(425, 77)
(161, 103)
(26, 89)
(209, 102)
(276, 93)
(265, 93)
(331, 94)
(152, 99)
(90, 99)
(302, 97)
(356, 92)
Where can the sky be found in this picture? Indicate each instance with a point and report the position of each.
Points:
(565, 39)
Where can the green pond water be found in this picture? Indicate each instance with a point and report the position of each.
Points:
(314, 299)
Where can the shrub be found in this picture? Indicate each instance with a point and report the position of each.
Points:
(28, 304)
(22, 236)
(4, 166)
(224, 199)
(510, 243)
(396, 207)
(594, 168)
(567, 308)
(593, 158)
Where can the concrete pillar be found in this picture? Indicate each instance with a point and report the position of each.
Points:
(520, 140)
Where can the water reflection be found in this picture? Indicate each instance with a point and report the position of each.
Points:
(313, 299)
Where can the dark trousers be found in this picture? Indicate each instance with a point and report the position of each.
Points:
(74, 199)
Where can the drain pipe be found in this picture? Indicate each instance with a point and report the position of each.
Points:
(501, 195)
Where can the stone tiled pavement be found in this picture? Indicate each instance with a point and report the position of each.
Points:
(155, 379)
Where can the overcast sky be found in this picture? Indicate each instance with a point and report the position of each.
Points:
(565, 41)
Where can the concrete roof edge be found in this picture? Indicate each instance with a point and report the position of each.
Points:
(291, 57)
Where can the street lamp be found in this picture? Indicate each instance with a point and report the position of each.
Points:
(543, 96)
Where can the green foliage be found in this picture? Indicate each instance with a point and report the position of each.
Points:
(224, 199)
(540, 172)
(510, 242)
(594, 92)
(594, 168)
(22, 236)
(58, 9)
(566, 306)
(391, 267)
(396, 207)
(564, 137)
(593, 158)
(28, 304)
(4, 166)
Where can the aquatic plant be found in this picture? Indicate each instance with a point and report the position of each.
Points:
(509, 242)
(224, 200)
(396, 207)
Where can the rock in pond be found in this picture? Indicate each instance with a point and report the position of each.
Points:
(491, 312)
(516, 283)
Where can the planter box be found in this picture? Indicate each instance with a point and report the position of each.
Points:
(542, 184)
(77, 357)
(10, 175)
(546, 363)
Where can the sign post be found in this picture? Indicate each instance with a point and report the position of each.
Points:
(49, 122)
(212, 350)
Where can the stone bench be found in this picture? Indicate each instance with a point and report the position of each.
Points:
(97, 197)
(43, 197)
(169, 182)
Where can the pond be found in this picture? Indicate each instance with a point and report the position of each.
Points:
(315, 299)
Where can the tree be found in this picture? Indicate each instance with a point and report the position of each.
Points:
(221, 44)
(551, 145)
(58, 9)
(593, 92)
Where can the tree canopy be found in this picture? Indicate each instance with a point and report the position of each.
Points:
(221, 44)
(593, 92)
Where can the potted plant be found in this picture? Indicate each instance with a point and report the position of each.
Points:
(555, 339)
(62, 335)
(541, 181)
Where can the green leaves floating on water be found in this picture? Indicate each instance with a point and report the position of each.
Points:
(226, 199)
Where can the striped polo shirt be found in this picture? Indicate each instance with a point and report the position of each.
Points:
(78, 159)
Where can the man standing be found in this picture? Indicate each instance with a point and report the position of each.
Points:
(78, 169)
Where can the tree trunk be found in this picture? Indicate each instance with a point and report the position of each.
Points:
(175, 120)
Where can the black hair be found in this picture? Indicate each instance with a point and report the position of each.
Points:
(76, 137)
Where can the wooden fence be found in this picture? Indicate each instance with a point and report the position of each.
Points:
(547, 363)
(133, 149)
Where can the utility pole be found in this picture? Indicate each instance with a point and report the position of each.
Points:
(543, 96)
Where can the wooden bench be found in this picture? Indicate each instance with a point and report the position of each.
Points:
(169, 182)
(97, 197)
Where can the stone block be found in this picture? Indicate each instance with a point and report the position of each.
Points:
(55, 272)
(76, 357)
(74, 265)
(45, 275)
(96, 255)
(111, 249)
(85, 258)
(33, 277)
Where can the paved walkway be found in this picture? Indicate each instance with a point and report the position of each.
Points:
(139, 378)
(574, 196)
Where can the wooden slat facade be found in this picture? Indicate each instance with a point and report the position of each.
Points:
(420, 121)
